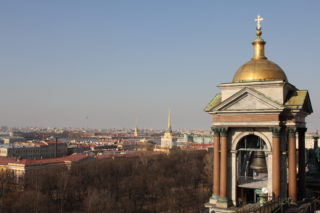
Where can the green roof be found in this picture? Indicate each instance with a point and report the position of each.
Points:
(213, 103)
(299, 100)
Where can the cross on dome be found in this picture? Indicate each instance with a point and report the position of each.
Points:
(258, 20)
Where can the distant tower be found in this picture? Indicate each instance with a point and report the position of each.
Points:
(169, 122)
(168, 141)
(135, 134)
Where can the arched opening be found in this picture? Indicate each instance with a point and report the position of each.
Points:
(252, 169)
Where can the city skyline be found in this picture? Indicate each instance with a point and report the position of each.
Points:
(124, 64)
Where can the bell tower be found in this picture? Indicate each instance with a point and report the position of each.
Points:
(256, 120)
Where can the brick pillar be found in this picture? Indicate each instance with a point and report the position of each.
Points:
(224, 164)
(302, 163)
(292, 165)
(276, 162)
(216, 163)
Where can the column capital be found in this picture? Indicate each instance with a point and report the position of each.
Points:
(302, 130)
(223, 131)
(275, 131)
(292, 132)
(215, 130)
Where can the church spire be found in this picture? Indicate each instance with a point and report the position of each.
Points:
(258, 43)
(169, 121)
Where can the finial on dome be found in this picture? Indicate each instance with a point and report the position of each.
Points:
(258, 44)
(259, 68)
(258, 20)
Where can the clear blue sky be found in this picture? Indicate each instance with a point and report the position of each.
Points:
(118, 63)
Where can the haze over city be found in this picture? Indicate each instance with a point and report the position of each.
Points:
(126, 63)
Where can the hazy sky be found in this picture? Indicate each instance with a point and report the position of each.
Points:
(121, 63)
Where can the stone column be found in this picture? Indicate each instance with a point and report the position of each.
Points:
(315, 140)
(224, 165)
(216, 163)
(292, 165)
(276, 161)
(302, 163)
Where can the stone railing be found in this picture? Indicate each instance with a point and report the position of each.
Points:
(276, 205)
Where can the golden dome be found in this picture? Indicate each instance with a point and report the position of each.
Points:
(259, 68)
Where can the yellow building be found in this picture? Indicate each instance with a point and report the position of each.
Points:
(34, 150)
(168, 141)
(136, 134)
(21, 167)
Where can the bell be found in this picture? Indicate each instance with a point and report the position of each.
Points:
(258, 162)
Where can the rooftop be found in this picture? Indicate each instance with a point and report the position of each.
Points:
(29, 162)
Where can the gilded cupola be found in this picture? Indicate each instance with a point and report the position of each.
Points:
(259, 68)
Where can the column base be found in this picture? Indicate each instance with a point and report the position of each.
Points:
(214, 208)
(223, 203)
(214, 199)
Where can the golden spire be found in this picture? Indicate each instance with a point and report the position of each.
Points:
(258, 44)
(136, 134)
(169, 121)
